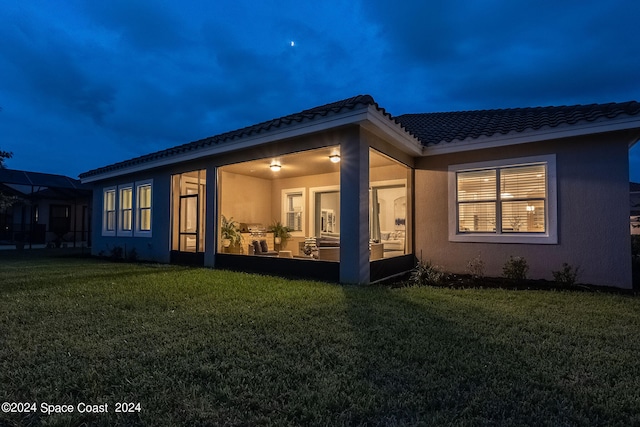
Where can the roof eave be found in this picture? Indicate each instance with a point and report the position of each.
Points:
(380, 123)
(370, 117)
(354, 116)
(534, 136)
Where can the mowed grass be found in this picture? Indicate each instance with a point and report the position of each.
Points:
(205, 347)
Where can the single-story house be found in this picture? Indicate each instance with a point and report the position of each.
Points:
(366, 194)
(46, 209)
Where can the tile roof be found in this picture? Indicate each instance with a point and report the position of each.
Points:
(281, 122)
(429, 128)
(436, 128)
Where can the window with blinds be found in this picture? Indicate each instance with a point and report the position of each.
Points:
(477, 201)
(293, 200)
(510, 199)
(294, 211)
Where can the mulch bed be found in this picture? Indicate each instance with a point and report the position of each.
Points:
(467, 281)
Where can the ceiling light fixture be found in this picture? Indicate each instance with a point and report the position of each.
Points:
(335, 158)
(275, 166)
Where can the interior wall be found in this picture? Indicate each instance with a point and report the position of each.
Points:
(330, 201)
(246, 199)
(383, 173)
(386, 173)
(386, 199)
(306, 182)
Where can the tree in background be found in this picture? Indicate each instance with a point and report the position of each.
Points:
(5, 201)
(4, 155)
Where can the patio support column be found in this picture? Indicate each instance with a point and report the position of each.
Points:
(210, 222)
(354, 209)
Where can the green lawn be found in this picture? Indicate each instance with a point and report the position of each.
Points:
(206, 347)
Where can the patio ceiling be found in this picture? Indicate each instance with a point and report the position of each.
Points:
(313, 162)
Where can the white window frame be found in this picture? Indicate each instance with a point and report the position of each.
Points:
(549, 237)
(105, 231)
(121, 231)
(312, 204)
(285, 196)
(138, 217)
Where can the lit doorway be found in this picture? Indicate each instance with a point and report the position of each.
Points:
(188, 216)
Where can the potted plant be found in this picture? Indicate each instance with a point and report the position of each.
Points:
(280, 232)
(230, 233)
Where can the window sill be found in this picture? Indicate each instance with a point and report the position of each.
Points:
(536, 239)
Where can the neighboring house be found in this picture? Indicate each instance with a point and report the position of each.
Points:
(48, 209)
(366, 193)
(634, 193)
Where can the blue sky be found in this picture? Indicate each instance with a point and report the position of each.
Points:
(84, 84)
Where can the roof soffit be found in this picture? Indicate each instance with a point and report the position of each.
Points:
(383, 125)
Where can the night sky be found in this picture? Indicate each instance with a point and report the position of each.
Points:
(84, 84)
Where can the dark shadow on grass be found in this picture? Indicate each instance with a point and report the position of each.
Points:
(426, 362)
(403, 348)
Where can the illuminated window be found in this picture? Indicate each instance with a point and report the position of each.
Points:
(477, 195)
(109, 212)
(523, 199)
(293, 209)
(125, 210)
(511, 201)
(143, 208)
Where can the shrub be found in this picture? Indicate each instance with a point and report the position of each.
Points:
(515, 268)
(132, 255)
(475, 267)
(567, 276)
(116, 252)
(426, 273)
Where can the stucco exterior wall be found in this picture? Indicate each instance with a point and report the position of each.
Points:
(154, 248)
(593, 213)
